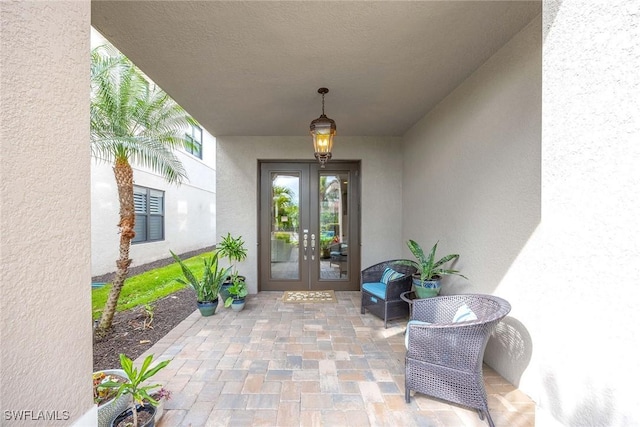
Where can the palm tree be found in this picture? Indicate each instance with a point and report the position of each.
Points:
(282, 197)
(132, 120)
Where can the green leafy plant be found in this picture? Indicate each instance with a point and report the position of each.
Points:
(232, 249)
(147, 287)
(139, 392)
(237, 290)
(428, 267)
(149, 310)
(286, 237)
(213, 276)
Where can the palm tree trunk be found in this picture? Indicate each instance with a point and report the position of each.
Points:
(124, 182)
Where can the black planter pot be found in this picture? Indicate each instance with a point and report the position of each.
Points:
(147, 408)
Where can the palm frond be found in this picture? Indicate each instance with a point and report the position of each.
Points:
(132, 119)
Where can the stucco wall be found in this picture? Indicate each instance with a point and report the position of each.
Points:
(472, 167)
(190, 210)
(381, 195)
(45, 309)
(472, 181)
(587, 249)
(549, 223)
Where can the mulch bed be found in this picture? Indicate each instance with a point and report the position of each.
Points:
(128, 335)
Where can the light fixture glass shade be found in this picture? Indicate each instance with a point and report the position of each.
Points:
(323, 129)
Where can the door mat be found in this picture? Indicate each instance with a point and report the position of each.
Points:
(309, 296)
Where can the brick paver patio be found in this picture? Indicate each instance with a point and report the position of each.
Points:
(324, 364)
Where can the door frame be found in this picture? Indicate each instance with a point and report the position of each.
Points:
(349, 283)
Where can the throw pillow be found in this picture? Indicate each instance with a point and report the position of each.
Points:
(406, 334)
(389, 274)
(464, 314)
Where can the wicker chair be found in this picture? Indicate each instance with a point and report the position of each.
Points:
(383, 299)
(444, 359)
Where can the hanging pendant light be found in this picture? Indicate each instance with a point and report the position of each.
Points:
(323, 129)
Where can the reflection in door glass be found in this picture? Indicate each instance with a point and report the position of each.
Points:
(334, 225)
(285, 204)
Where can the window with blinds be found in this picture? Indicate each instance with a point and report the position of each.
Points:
(149, 208)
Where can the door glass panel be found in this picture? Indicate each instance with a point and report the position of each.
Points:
(334, 225)
(285, 208)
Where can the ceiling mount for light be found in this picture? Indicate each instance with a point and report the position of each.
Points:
(323, 129)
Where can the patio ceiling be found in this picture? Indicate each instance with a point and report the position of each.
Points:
(253, 68)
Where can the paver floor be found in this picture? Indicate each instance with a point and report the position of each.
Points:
(322, 364)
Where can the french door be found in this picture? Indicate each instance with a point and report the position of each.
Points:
(309, 226)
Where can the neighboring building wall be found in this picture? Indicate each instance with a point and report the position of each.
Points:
(546, 214)
(381, 194)
(45, 297)
(190, 210)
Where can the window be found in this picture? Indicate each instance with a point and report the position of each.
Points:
(195, 138)
(149, 208)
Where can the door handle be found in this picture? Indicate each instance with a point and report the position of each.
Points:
(304, 244)
(313, 247)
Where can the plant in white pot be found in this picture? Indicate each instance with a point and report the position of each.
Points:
(141, 412)
(109, 405)
(208, 286)
(426, 281)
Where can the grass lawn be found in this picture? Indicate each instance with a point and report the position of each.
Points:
(147, 287)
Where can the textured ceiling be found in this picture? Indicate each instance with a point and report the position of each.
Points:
(253, 68)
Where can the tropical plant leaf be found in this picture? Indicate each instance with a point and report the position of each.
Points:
(427, 267)
(445, 259)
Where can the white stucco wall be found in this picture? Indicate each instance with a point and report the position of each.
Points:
(45, 301)
(585, 369)
(190, 210)
(568, 261)
(381, 191)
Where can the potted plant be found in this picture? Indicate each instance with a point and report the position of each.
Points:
(326, 241)
(237, 293)
(208, 286)
(281, 247)
(109, 405)
(426, 281)
(233, 249)
(142, 410)
(160, 396)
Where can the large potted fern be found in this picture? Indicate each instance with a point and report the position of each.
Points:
(208, 286)
(426, 281)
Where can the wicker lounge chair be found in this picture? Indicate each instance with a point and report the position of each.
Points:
(444, 358)
(382, 297)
